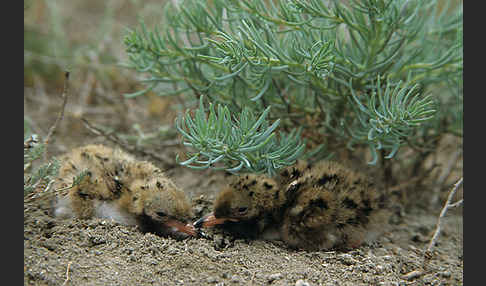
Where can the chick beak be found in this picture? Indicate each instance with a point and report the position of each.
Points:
(180, 227)
(210, 220)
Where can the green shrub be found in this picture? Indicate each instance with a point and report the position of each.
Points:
(377, 73)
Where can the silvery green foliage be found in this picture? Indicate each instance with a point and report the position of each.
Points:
(244, 143)
(380, 73)
(389, 116)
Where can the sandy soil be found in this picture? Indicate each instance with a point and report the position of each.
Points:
(99, 252)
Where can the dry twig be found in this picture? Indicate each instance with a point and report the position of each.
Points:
(447, 205)
(67, 273)
(60, 116)
(113, 138)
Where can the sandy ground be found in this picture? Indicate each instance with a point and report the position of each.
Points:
(99, 252)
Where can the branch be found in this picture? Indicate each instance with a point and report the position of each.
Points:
(447, 205)
(60, 116)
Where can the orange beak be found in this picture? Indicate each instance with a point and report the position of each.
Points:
(178, 226)
(210, 220)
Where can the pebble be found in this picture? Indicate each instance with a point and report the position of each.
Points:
(96, 240)
(428, 279)
(389, 284)
(418, 238)
(273, 277)
(379, 269)
(172, 251)
(445, 274)
(50, 245)
(412, 274)
(129, 250)
(235, 279)
(301, 282)
(212, 279)
(347, 259)
(387, 257)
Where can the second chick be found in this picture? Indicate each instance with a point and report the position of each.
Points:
(320, 207)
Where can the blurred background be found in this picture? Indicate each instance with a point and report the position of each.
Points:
(86, 39)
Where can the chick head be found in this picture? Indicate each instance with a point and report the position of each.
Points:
(244, 199)
(163, 208)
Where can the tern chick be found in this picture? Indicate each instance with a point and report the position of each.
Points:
(117, 186)
(319, 207)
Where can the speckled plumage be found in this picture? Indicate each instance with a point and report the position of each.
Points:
(119, 187)
(324, 206)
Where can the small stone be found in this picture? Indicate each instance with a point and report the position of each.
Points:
(273, 277)
(235, 279)
(428, 279)
(445, 274)
(50, 245)
(412, 275)
(96, 240)
(212, 279)
(347, 259)
(388, 284)
(387, 257)
(418, 238)
(363, 268)
(129, 250)
(301, 282)
(172, 251)
(379, 269)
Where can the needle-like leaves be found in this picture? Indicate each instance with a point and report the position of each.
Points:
(390, 115)
(315, 63)
(245, 143)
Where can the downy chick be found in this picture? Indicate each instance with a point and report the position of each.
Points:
(249, 206)
(324, 206)
(119, 187)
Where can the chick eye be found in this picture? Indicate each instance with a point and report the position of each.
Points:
(161, 214)
(242, 210)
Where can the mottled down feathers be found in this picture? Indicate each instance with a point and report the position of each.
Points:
(121, 188)
(313, 207)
